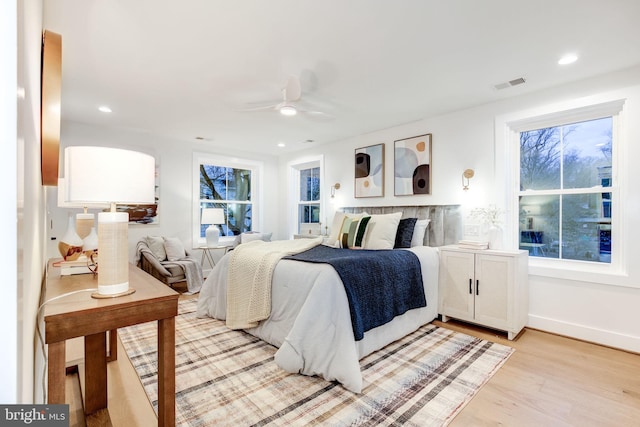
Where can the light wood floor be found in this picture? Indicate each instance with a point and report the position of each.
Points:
(548, 381)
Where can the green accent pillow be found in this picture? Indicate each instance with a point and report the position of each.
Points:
(353, 232)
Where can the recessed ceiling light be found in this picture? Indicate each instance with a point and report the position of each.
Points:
(569, 58)
(104, 109)
(281, 144)
(288, 110)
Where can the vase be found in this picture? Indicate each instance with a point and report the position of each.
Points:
(90, 243)
(70, 246)
(495, 237)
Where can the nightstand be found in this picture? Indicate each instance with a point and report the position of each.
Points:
(80, 315)
(486, 287)
(207, 255)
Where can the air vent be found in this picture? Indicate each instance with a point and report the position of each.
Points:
(510, 83)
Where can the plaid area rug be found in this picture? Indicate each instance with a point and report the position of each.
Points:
(226, 377)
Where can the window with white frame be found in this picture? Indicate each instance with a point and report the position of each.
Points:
(566, 190)
(305, 206)
(230, 185)
(309, 201)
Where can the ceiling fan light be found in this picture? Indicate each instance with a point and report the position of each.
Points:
(288, 110)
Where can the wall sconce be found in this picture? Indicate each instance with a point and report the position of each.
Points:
(466, 176)
(334, 187)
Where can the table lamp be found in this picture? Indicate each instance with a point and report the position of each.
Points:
(213, 217)
(112, 176)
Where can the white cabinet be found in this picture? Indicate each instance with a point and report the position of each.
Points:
(487, 287)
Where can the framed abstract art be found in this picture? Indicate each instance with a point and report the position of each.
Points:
(369, 171)
(412, 166)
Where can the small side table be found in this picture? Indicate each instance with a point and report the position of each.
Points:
(206, 254)
(80, 315)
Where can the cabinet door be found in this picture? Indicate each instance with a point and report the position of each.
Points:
(456, 284)
(494, 283)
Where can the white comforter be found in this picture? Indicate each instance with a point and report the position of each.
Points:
(310, 321)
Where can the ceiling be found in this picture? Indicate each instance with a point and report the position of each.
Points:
(183, 69)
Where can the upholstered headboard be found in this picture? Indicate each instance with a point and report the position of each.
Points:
(445, 227)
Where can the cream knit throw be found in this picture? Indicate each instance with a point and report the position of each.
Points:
(249, 278)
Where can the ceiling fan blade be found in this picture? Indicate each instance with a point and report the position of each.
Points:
(292, 90)
(259, 107)
(317, 115)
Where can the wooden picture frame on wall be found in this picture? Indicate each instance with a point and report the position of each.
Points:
(412, 165)
(369, 171)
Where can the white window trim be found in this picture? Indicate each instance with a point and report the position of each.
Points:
(294, 167)
(507, 154)
(256, 168)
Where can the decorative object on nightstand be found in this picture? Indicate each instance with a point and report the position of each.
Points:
(213, 217)
(70, 245)
(487, 287)
(490, 217)
(110, 175)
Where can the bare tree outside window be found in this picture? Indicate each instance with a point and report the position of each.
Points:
(564, 212)
(229, 189)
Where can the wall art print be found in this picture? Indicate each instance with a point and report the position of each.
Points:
(369, 171)
(412, 166)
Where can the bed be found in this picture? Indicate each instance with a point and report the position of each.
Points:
(310, 319)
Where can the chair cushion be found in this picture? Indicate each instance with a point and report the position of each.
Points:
(175, 248)
(156, 246)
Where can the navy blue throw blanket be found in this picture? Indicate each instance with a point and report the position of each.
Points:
(380, 284)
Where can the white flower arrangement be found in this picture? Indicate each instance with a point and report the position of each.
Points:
(490, 215)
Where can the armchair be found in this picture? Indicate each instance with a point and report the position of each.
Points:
(167, 260)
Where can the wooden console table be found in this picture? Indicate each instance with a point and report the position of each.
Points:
(80, 315)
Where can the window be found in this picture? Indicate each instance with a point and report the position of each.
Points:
(305, 207)
(565, 197)
(228, 184)
(309, 201)
(569, 212)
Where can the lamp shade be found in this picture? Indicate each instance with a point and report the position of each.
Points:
(212, 216)
(108, 175)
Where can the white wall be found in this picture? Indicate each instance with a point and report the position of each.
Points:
(595, 312)
(175, 159)
(23, 251)
(8, 256)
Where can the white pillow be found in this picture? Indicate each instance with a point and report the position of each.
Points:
(418, 232)
(381, 231)
(250, 237)
(175, 248)
(156, 246)
(336, 226)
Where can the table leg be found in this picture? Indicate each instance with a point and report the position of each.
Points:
(212, 262)
(113, 345)
(95, 372)
(56, 372)
(167, 372)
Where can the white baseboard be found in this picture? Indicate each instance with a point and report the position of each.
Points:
(586, 333)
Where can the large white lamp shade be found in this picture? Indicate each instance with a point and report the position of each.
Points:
(113, 176)
(212, 216)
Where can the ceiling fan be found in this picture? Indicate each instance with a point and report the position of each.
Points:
(291, 103)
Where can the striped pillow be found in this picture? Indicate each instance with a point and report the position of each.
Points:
(353, 232)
